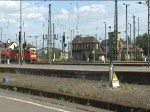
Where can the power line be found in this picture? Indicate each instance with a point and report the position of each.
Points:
(17, 10)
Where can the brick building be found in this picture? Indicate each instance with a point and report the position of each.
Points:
(85, 48)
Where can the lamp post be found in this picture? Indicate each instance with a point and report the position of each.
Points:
(1, 45)
(126, 29)
(148, 5)
(105, 44)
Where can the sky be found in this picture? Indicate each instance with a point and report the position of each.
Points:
(84, 17)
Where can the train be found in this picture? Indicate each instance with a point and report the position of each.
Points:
(14, 55)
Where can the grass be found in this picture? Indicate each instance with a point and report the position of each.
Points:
(82, 87)
(15, 89)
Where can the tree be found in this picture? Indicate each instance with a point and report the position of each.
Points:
(142, 42)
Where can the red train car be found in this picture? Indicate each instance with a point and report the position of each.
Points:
(14, 55)
(4, 55)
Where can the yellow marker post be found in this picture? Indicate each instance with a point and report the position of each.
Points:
(115, 78)
(115, 81)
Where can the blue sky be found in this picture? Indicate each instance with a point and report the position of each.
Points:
(92, 15)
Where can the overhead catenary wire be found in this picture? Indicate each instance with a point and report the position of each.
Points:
(82, 21)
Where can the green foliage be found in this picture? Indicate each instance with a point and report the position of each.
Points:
(88, 103)
(142, 42)
(15, 89)
(55, 50)
(129, 40)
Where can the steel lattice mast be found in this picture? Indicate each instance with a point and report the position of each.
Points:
(50, 36)
(116, 29)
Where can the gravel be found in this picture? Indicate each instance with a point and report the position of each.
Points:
(133, 94)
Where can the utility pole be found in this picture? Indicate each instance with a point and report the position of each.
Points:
(53, 35)
(23, 52)
(77, 27)
(73, 33)
(134, 37)
(53, 41)
(68, 47)
(138, 26)
(130, 44)
(148, 3)
(36, 42)
(21, 32)
(43, 45)
(126, 29)
(113, 43)
(50, 36)
(16, 38)
(1, 46)
(105, 44)
(148, 15)
(116, 29)
(71, 45)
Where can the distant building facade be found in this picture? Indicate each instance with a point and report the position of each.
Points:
(134, 52)
(85, 48)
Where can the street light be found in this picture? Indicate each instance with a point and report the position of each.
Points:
(148, 5)
(126, 28)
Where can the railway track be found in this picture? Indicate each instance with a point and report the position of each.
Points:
(119, 107)
(124, 76)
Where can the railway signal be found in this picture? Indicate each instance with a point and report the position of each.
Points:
(24, 45)
(19, 37)
(64, 37)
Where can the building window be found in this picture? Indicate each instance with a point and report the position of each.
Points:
(93, 46)
(87, 46)
(90, 46)
(75, 47)
(80, 46)
(84, 46)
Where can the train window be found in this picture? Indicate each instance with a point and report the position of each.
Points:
(33, 52)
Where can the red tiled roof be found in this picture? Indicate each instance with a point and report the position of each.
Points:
(79, 39)
(7, 44)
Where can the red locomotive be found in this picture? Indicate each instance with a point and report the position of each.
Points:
(14, 55)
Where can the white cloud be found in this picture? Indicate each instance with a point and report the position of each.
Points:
(63, 14)
(93, 8)
(11, 9)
